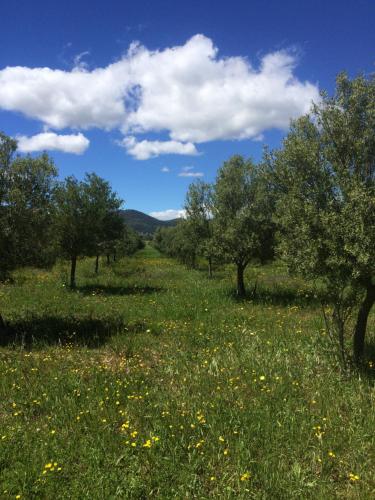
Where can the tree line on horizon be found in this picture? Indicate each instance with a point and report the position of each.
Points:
(311, 203)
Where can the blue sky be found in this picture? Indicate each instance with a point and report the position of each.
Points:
(153, 94)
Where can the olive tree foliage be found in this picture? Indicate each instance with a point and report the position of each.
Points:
(179, 242)
(26, 208)
(86, 217)
(121, 240)
(130, 242)
(325, 173)
(198, 208)
(242, 214)
(107, 225)
(162, 239)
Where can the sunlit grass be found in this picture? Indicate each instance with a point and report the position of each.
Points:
(152, 381)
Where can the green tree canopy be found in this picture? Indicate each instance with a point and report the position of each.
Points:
(26, 209)
(325, 173)
(242, 210)
(199, 207)
(86, 211)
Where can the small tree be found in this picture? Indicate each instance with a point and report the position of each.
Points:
(83, 208)
(198, 207)
(130, 242)
(326, 208)
(179, 242)
(242, 209)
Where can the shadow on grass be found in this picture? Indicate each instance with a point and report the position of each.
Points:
(129, 271)
(39, 331)
(117, 290)
(281, 297)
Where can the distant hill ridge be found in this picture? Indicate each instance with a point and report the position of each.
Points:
(143, 223)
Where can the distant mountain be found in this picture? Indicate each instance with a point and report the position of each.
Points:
(143, 223)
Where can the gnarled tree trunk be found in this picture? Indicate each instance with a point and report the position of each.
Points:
(361, 324)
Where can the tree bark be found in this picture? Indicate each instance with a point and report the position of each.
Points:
(210, 267)
(97, 264)
(241, 291)
(114, 256)
(361, 324)
(108, 259)
(73, 272)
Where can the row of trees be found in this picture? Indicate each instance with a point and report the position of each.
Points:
(228, 221)
(313, 201)
(41, 218)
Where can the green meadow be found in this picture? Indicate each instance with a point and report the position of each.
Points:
(153, 381)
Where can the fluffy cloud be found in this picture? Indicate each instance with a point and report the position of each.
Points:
(188, 91)
(168, 214)
(145, 149)
(74, 143)
(165, 169)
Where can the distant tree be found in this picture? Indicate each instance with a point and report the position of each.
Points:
(130, 242)
(198, 207)
(243, 210)
(184, 243)
(160, 239)
(109, 234)
(178, 241)
(85, 211)
(26, 209)
(326, 209)
(107, 225)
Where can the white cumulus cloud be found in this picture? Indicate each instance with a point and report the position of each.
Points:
(188, 91)
(143, 150)
(49, 141)
(168, 214)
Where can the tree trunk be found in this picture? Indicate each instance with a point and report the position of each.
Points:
(97, 264)
(210, 267)
(241, 291)
(361, 324)
(2, 324)
(114, 256)
(73, 272)
(193, 261)
(108, 259)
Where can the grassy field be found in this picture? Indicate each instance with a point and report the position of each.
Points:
(152, 381)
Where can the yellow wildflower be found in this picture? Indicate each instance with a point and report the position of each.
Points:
(245, 476)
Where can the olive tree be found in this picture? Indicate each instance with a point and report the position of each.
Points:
(198, 208)
(26, 208)
(84, 211)
(326, 208)
(242, 213)
(179, 241)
